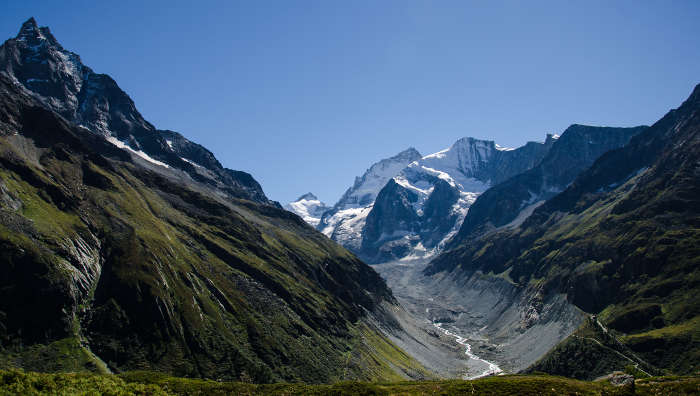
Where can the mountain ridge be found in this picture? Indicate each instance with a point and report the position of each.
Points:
(432, 195)
(619, 242)
(345, 220)
(127, 257)
(574, 151)
(400, 218)
(58, 78)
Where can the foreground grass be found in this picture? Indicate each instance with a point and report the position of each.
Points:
(18, 382)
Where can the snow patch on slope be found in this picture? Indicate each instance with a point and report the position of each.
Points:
(345, 226)
(191, 162)
(140, 153)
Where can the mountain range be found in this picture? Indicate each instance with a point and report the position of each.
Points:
(620, 242)
(598, 221)
(125, 247)
(408, 206)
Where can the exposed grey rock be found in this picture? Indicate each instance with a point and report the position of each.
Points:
(344, 222)
(621, 379)
(571, 154)
(424, 205)
(59, 80)
(509, 325)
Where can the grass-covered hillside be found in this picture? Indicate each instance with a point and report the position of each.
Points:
(145, 383)
(622, 241)
(108, 265)
(592, 351)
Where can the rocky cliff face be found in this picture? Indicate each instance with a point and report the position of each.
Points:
(344, 222)
(417, 212)
(408, 207)
(621, 241)
(512, 200)
(128, 248)
(59, 80)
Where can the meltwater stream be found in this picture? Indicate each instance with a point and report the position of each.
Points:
(492, 368)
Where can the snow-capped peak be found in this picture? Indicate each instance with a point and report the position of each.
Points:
(365, 189)
(308, 197)
(344, 222)
(309, 208)
(460, 161)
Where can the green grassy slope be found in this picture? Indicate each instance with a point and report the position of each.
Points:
(591, 351)
(109, 265)
(623, 242)
(145, 383)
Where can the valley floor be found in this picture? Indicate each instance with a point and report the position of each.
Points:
(433, 315)
(483, 315)
(147, 383)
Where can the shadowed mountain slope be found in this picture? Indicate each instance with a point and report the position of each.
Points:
(117, 257)
(622, 241)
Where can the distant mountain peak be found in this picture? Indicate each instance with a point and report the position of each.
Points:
(472, 141)
(417, 212)
(410, 152)
(344, 222)
(307, 197)
(309, 208)
(365, 189)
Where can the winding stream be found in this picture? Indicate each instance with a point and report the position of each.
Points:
(492, 369)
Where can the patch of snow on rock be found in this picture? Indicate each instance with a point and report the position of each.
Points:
(140, 153)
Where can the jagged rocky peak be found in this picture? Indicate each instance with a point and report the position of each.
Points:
(33, 34)
(36, 60)
(417, 214)
(61, 82)
(308, 197)
(510, 202)
(365, 189)
(551, 137)
(309, 208)
(344, 222)
(472, 150)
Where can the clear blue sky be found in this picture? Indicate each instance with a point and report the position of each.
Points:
(305, 95)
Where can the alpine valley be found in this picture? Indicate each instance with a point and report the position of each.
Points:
(131, 253)
(575, 256)
(125, 247)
